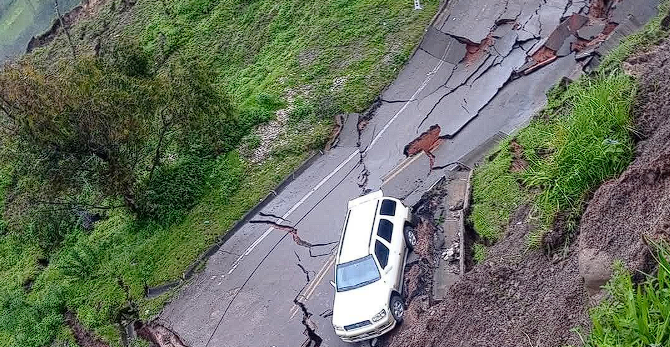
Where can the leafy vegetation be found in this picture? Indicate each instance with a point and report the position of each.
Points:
(92, 247)
(568, 155)
(634, 315)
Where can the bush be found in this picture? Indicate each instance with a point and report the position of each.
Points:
(173, 190)
(634, 315)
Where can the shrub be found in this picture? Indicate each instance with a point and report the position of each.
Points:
(173, 190)
(634, 315)
(32, 323)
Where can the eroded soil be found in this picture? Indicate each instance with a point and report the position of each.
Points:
(626, 212)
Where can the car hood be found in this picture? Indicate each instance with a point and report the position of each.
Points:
(360, 304)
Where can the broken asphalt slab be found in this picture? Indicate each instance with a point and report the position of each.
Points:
(442, 46)
(472, 20)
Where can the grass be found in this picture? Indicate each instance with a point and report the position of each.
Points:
(633, 315)
(328, 57)
(568, 155)
(479, 252)
(579, 140)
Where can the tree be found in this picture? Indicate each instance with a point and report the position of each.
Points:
(94, 129)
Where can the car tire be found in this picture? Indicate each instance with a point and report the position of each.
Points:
(410, 237)
(397, 307)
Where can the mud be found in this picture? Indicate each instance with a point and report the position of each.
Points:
(83, 337)
(599, 8)
(516, 297)
(627, 212)
(158, 334)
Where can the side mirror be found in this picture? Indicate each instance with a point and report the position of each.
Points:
(332, 283)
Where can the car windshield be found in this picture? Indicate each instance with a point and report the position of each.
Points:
(356, 273)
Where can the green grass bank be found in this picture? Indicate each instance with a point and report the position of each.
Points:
(313, 60)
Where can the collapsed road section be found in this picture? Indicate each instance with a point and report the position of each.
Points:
(504, 41)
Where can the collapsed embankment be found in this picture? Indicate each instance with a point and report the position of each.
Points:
(523, 296)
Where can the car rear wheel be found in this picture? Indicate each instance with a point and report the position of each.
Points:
(397, 308)
(410, 237)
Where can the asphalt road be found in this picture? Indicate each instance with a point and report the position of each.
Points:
(247, 294)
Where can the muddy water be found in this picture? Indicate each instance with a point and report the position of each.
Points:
(22, 19)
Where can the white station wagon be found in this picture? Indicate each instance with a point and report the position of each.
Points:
(369, 268)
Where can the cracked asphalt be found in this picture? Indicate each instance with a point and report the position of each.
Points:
(268, 284)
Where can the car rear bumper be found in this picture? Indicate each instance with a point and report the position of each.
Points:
(368, 332)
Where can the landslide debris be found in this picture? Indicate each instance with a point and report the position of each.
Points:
(627, 211)
(513, 298)
(519, 296)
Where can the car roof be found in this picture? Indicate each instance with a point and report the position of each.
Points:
(359, 226)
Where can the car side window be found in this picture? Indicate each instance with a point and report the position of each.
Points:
(382, 253)
(388, 208)
(385, 229)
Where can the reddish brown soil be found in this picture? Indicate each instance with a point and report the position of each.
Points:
(518, 162)
(599, 8)
(425, 142)
(83, 337)
(475, 50)
(543, 54)
(579, 45)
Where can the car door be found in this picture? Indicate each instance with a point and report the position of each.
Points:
(389, 239)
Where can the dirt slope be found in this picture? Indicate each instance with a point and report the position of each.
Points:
(637, 204)
(524, 298)
(515, 298)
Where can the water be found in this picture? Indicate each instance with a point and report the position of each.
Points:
(20, 20)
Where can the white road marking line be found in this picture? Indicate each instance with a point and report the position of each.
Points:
(249, 249)
(313, 284)
(295, 207)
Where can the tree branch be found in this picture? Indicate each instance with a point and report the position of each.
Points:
(67, 33)
(71, 205)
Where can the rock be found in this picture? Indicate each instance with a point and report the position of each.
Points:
(595, 268)
(457, 206)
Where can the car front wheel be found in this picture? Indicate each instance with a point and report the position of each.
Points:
(397, 308)
(410, 237)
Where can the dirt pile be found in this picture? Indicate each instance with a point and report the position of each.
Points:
(625, 211)
(514, 298)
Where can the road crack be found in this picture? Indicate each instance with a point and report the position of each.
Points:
(294, 234)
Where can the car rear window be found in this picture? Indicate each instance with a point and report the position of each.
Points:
(388, 208)
(385, 229)
(382, 253)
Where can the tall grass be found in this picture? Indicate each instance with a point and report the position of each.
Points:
(634, 315)
(590, 145)
(568, 154)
